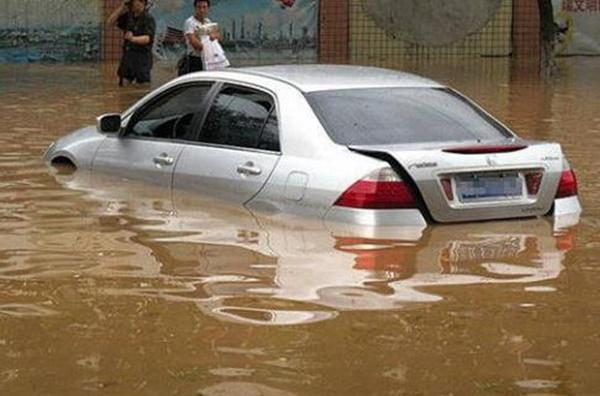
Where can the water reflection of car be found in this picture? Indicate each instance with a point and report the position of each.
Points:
(344, 143)
(275, 270)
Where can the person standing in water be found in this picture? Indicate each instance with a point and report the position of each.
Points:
(192, 61)
(139, 27)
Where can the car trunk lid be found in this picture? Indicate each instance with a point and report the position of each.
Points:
(472, 181)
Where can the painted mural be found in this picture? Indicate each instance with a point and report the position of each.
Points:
(253, 31)
(579, 26)
(50, 30)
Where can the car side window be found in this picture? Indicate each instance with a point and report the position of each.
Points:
(269, 138)
(170, 117)
(242, 117)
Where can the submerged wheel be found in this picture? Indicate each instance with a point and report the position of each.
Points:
(63, 165)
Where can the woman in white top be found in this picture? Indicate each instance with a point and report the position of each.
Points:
(198, 22)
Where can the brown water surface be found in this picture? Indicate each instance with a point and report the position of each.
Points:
(123, 288)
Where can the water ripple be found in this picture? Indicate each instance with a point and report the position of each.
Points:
(24, 310)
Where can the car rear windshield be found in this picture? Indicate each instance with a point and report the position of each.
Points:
(402, 115)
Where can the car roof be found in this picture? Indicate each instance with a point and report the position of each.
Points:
(311, 78)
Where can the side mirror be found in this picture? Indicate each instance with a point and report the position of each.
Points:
(109, 123)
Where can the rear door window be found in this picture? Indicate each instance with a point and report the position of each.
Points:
(242, 117)
(402, 115)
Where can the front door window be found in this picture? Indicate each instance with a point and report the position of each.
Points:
(170, 117)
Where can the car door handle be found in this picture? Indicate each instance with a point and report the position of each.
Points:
(163, 159)
(249, 169)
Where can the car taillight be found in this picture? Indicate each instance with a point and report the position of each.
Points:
(567, 187)
(381, 189)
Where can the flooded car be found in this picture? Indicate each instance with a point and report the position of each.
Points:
(349, 144)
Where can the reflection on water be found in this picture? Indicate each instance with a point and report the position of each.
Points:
(236, 265)
(108, 285)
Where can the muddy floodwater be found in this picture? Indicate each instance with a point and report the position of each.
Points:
(117, 288)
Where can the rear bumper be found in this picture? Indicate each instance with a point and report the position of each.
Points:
(567, 206)
(376, 217)
(566, 212)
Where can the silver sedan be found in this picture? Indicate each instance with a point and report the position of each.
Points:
(344, 143)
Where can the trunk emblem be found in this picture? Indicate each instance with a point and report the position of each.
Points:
(420, 165)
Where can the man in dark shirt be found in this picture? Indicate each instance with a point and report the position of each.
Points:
(139, 27)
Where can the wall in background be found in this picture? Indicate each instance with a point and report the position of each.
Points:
(50, 30)
(252, 32)
(579, 26)
(278, 31)
(371, 43)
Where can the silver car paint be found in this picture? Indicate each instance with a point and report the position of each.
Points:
(566, 212)
(79, 147)
(439, 163)
(312, 78)
(222, 172)
(311, 171)
(148, 160)
(381, 217)
(306, 149)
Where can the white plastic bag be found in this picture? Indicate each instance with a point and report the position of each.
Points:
(213, 55)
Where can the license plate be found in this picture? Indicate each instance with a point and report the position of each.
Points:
(481, 187)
